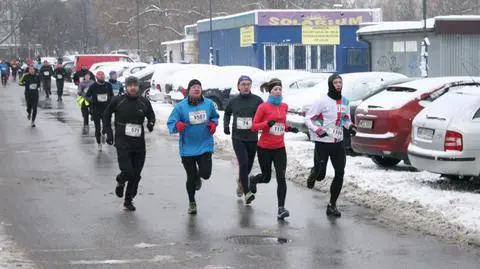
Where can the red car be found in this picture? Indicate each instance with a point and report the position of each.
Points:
(384, 121)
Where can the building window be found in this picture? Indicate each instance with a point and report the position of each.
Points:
(355, 57)
(282, 57)
(300, 57)
(314, 57)
(268, 57)
(327, 57)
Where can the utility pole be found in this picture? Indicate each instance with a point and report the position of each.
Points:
(85, 32)
(211, 36)
(425, 42)
(138, 27)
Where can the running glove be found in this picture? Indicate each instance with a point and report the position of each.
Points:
(150, 126)
(109, 137)
(226, 130)
(353, 130)
(271, 123)
(292, 130)
(180, 126)
(321, 133)
(212, 126)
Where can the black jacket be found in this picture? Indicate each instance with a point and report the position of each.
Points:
(60, 73)
(243, 109)
(81, 75)
(100, 96)
(31, 83)
(46, 72)
(130, 114)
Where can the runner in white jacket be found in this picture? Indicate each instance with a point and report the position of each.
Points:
(326, 121)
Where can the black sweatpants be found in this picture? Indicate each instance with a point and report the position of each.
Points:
(194, 173)
(279, 159)
(245, 151)
(31, 98)
(336, 153)
(131, 165)
(85, 114)
(47, 86)
(97, 120)
(60, 83)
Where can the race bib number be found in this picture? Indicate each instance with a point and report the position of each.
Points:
(32, 86)
(277, 129)
(82, 79)
(59, 76)
(244, 123)
(102, 97)
(336, 133)
(197, 117)
(133, 130)
(4, 69)
(46, 73)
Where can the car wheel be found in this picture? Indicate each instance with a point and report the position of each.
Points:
(456, 177)
(146, 94)
(385, 161)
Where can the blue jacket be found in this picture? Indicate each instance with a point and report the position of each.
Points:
(4, 68)
(117, 87)
(196, 138)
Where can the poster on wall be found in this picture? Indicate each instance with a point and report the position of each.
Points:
(247, 36)
(321, 35)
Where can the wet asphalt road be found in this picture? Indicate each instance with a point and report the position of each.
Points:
(57, 196)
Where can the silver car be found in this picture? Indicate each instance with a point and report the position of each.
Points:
(446, 134)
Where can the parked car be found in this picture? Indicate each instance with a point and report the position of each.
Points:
(69, 67)
(159, 79)
(446, 135)
(355, 87)
(384, 121)
(89, 59)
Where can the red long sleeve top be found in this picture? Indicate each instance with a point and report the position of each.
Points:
(272, 137)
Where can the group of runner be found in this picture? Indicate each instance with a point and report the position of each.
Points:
(195, 119)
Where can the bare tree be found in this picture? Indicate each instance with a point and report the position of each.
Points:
(12, 13)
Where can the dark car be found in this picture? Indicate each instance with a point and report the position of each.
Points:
(69, 69)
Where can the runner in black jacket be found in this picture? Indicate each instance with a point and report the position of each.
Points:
(244, 140)
(46, 72)
(60, 74)
(130, 113)
(31, 81)
(100, 94)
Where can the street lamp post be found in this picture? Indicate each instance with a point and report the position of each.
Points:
(211, 36)
(138, 27)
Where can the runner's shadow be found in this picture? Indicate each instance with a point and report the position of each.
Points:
(245, 213)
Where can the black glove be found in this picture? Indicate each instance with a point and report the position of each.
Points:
(150, 126)
(110, 137)
(271, 123)
(292, 130)
(226, 130)
(352, 130)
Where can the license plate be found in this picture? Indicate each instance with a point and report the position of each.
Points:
(425, 133)
(365, 124)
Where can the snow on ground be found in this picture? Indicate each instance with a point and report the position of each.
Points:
(10, 256)
(401, 195)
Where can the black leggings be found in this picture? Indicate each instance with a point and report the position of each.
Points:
(32, 102)
(336, 152)
(279, 159)
(131, 165)
(245, 151)
(97, 120)
(85, 114)
(204, 170)
(60, 83)
(47, 86)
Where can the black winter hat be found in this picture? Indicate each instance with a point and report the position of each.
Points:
(272, 83)
(332, 92)
(193, 82)
(131, 80)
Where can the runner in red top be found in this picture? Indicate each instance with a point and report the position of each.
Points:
(271, 118)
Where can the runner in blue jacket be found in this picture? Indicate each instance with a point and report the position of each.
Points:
(196, 119)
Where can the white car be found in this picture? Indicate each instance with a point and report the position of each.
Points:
(118, 67)
(446, 134)
(162, 72)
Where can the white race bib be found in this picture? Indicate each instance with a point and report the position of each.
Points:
(102, 97)
(46, 73)
(197, 117)
(82, 79)
(59, 76)
(336, 132)
(244, 123)
(4, 69)
(133, 130)
(32, 86)
(277, 129)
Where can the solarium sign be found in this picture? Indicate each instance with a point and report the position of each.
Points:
(314, 18)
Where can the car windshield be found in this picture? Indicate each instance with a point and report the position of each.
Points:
(359, 91)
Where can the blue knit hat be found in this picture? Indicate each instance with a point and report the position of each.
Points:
(243, 78)
(112, 73)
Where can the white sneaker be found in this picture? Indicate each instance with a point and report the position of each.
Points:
(99, 147)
